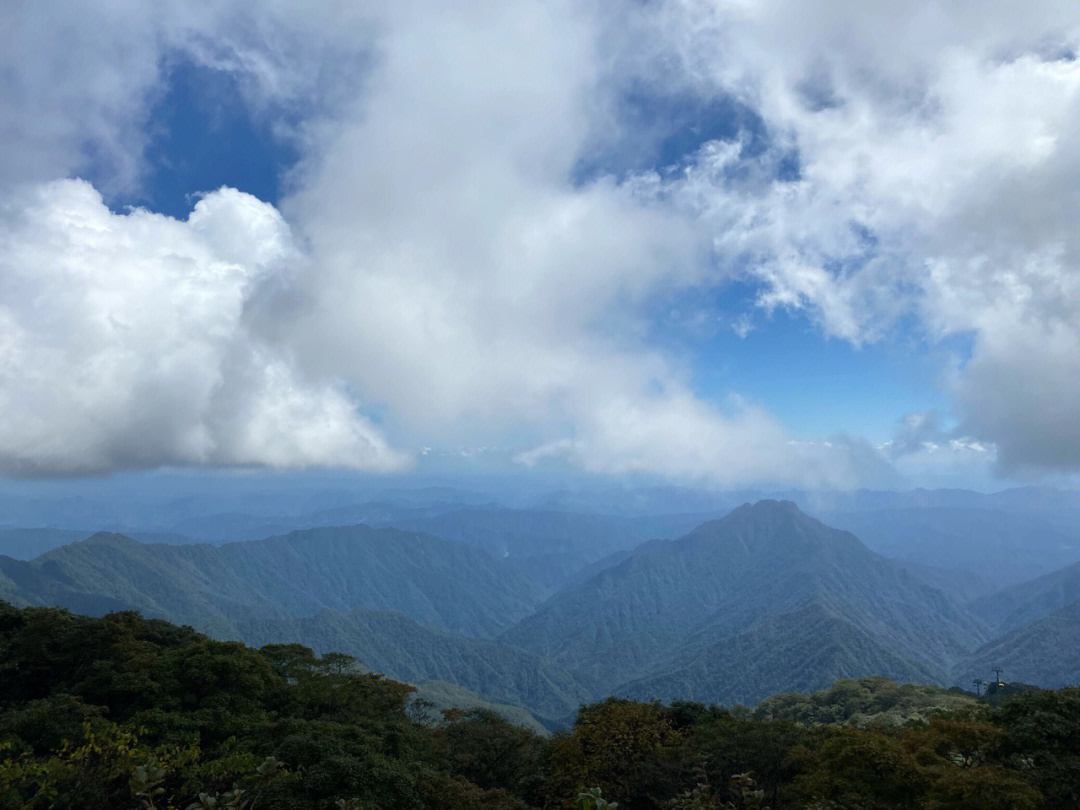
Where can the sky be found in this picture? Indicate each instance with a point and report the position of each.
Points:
(716, 243)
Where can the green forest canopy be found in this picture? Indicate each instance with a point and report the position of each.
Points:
(122, 712)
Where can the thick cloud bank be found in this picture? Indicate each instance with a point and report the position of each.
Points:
(123, 342)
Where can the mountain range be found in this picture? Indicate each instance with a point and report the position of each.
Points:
(446, 585)
(763, 600)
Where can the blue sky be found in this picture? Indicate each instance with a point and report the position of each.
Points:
(721, 246)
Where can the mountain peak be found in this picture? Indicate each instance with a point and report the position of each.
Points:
(110, 539)
(768, 506)
(769, 526)
(763, 513)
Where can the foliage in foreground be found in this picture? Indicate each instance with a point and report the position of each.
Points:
(121, 712)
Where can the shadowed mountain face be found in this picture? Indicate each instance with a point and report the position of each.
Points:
(448, 586)
(810, 648)
(685, 614)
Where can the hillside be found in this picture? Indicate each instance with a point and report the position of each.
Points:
(676, 604)
(988, 544)
(397, 646)
(1027, 602)
(446, 585)
(804, 651)
(1045, 652)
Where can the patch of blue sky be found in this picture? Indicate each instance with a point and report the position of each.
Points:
(661, 132)
(204, 135)
(782, 361)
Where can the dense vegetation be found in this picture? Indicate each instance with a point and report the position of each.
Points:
(122, 712)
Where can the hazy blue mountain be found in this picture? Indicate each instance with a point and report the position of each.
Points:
(961, 586)
(671, 603)
(1029, 601)
(550, 547)
(765, 599)
(991, 546)
(446, 585)
(395, 645)
(1044, 653)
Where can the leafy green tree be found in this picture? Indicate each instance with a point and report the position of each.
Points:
(629, 750)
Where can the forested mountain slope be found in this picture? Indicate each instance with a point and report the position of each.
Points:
(395, 645)
(1045, 653)
(1022, 604)
(674, 604)
(764, 600)
(804, 651)
(446, 585)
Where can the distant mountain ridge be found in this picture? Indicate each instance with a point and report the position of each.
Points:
(763, 600)
(1013, 607)
(687, 600)
(999, 548)
(395, 645)
(448, 586)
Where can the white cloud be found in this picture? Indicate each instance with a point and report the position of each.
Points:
(453, 272)
(939, 161)
(461, 277)
(124, 342)
(682, 438)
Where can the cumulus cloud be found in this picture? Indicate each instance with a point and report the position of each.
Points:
(465, 279)
(443, 258)
(123, 342)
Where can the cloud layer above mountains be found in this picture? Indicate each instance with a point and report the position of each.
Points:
(476, 234)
